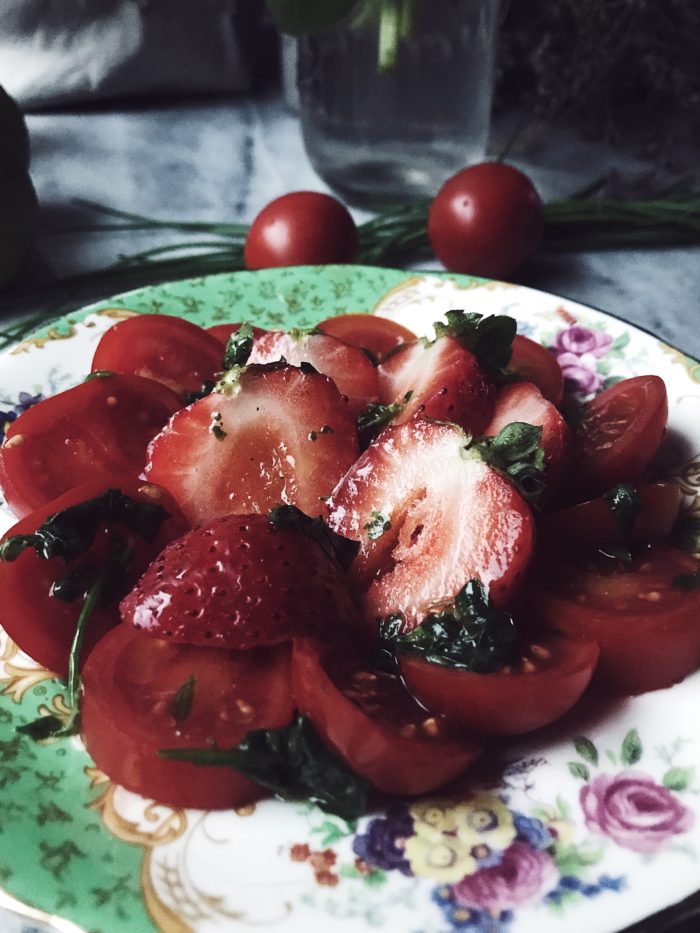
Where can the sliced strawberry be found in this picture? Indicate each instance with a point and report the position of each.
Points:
(441, 380)
(429, 515)
(347, 366)
(276, 434)
(523, 401)
(239, 582)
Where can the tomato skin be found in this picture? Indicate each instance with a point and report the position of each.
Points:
(646, 627)
(379, 335)
(508, 702)
(300, 229)
(486, 220)
(100, 426)
(372, 744)
(175, 352)
(130, 681)
(619, 434)
(43, 626)
(537, 364)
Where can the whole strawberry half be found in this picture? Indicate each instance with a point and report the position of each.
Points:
(240, 582)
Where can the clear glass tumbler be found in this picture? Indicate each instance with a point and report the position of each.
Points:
(385, 128)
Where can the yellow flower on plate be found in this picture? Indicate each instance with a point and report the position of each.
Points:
(443, 857)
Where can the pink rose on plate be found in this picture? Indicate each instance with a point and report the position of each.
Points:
(516, 879)
(634, 811)
(581, 341)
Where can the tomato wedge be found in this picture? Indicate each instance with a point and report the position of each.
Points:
(43, 625)
(551, 676)
(374, 725)
(102, 426)
(647, 625)
(619, 434)
(129, 713)
(379, 335)
(537, 364)
(171, 350)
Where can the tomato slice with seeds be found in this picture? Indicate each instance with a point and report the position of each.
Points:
(646, 624)
(369, 719)
(550, 677)
(129, 714)
(379, 335)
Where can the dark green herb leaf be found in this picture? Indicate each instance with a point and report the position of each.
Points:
(239, 346)
(181, 707)
(471, 634)
(45, 727)
(292, 762)
(687, 581)
(75, 584)
(624, 504)
(207, 389)
(377, 525)
(516, 451)
(71, 532)
(299, 17)
(99, 374)
(341, 549)
(489, 338)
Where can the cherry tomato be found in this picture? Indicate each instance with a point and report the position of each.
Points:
(100, 426)
(43, 625)
(128, 714)
(171, 350)
(486, 220)
(301, 229)
(223, 331)
(378, 335)
(646, 626)
(374, 725)
(550, 677)
(621, 430)
(536, 364)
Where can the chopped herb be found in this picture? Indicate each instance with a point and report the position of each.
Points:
(294, 763)
(71, 531)
(374, 418)
(624, 504)
(181, 707)
(238, 347)
(206, 389)
(377, 525)
(490, 339)
(471, 634)
(341, 549)
(216, 427)
(298, 333)
(307, 368)
(687, 581)
(313, 435)
(326, 429)
(516, 450)
(99, 374)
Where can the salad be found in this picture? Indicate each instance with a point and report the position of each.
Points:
(331, 563)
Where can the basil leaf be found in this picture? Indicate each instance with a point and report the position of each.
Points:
(471, 634)
(297, 17)
(377, 526)
(341, 549)
(516, 451)
(625, 505)
(294, 763)
(71, 532)
(490, 339)
(239, 346)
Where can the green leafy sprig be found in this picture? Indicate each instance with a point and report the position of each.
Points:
(516, 451)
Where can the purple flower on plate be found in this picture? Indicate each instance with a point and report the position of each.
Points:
(581, 341)
(383, 844)
(532, 831)
(469, 919)
(24, 401)
(634, 811)
(517, 879)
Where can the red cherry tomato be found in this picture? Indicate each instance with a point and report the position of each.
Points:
(486, 220)
(646, 626)
(171, 350)
(379, 335)
(300, 229)
(536, 364)
(130, 682)
(550, 678)
(43, 625)
(621, 430)
(374, 725)
(100, 426)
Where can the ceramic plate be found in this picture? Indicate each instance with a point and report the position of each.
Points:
(587, 828)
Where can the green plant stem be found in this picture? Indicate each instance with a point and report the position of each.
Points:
(389, 33)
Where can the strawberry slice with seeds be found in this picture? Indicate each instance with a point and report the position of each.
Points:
(350, 368)
(430, 515)
(239, 582)
(441, 380)
(268, 434)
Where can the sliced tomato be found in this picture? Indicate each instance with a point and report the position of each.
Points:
(99, 427)
(371, 721)
(537, 364)
(171, 350)
(223, 331)
(43, 625)
(550, 677)
(129, 713)
(647, 626)
(379, 335)
(619, 434)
